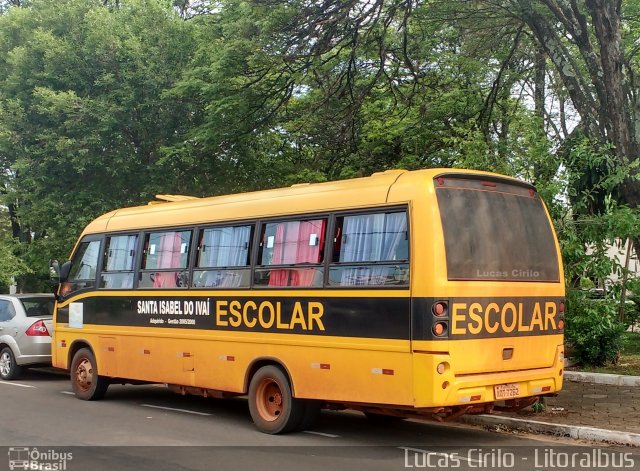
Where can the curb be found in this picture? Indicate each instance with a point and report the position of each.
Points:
(602, 378)
(571, 431)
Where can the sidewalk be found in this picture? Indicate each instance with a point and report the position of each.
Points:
(585, 408)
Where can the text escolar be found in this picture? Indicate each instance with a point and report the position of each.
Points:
(475, 318)
(267, 314)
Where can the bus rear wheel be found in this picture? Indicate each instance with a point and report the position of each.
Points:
(85, 381)
(271, 403)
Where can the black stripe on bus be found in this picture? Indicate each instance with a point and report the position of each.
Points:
(482, 318)
(385, 317)
(400, 318)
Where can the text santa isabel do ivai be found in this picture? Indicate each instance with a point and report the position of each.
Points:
(247, 313)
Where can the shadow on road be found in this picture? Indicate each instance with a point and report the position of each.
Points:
(42, 374)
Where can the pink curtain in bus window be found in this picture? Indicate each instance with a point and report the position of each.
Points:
(293, 245)
(169, 257)
(279, 277)
(307, 252)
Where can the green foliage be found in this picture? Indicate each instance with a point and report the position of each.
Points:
(12, 256)
(593, 329)
(12, 265)
(306, 176)
(538, 407)
(595, 221)
(83, 117)
(632, 306)
(632, 343)
(105, 105)
(590, 230)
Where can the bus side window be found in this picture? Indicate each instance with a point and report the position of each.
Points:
(84, 267)
(371, 249)
(223, 258)
(117, 267)
(291, 254)
(165, 260)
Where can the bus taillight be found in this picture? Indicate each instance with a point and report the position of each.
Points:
(439, 308)
(439, 329)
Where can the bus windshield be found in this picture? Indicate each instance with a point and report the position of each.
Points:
(495, 230)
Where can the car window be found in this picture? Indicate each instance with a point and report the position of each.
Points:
(38, 307)
(7, 311)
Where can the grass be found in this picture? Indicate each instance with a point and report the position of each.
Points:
(629, 362)
(632, 343)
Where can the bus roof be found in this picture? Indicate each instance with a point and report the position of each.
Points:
(299, 198)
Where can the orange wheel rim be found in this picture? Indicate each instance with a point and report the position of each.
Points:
(84, 375)
(269, 399)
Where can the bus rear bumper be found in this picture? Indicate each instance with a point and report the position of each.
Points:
(504, 389)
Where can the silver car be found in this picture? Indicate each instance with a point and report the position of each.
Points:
(25, 332)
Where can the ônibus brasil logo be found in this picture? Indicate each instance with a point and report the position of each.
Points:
(38, 460)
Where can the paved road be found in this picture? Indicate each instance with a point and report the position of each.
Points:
(149, 428)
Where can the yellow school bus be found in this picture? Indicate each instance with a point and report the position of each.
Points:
(428, 293)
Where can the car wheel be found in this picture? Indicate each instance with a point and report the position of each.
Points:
(9, 369)
(86, 383)
(271, 403)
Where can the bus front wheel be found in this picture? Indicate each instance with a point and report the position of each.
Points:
(271, 403)
(85, 381)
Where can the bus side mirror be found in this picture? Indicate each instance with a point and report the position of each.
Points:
(59, 274)
(65, 269)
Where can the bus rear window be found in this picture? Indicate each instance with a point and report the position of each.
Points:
(495, 230)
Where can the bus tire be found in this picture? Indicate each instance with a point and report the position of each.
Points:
(85, 381)
(271, 403)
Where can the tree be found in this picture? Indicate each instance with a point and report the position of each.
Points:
(83, 116)
(595, 61)
(113, 102)
(347, 89)
(590, 44)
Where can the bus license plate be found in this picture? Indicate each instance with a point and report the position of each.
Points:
(506, 391)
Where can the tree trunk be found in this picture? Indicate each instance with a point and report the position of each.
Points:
(599, 95)
(605, 15)
(539, 83)
(606, 22)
